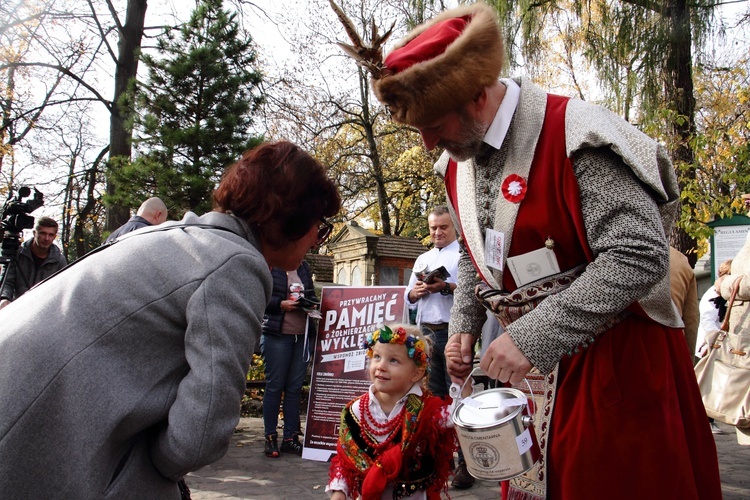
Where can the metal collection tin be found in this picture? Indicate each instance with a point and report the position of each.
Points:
(496, 434)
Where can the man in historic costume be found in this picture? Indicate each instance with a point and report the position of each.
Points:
(564, 211)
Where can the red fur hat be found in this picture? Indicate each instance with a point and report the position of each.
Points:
(441, 65)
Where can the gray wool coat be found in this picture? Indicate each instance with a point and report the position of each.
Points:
(125, 372)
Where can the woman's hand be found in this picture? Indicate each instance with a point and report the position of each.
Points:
(289, 305)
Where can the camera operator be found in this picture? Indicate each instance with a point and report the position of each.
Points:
(37, 259)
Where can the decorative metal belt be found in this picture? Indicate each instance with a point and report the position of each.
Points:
(508, 307)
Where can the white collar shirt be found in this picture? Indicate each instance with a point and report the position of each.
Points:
(495, 135)
(435, 308)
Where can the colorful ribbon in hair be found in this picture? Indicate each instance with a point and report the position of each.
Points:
(415, 346)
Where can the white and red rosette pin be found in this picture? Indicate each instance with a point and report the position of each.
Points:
(514, 188)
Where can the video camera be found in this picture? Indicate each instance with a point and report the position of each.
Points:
(15, 216)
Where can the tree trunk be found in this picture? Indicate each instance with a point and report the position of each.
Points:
(79, 231)
(377, 170)
(679, 93)
(127, 67)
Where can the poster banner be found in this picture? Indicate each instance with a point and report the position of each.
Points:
(339, 371)
(728, 241)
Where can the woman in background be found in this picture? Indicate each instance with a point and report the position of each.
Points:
(712, 308)
(287, 336)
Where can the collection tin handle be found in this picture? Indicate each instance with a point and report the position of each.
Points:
(456, 390)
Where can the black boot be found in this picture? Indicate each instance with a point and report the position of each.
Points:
(272, 446)
(462, 480)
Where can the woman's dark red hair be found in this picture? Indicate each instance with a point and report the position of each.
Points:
(278, 189)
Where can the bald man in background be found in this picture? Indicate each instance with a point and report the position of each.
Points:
(152, 212)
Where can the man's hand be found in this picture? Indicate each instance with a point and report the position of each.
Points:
(4, 302)
(418, 291)
(504, 361)
(459, 355)
(421, 289)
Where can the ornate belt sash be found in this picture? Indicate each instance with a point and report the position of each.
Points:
(508, 307)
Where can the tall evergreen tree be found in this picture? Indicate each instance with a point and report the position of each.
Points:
(195, 110)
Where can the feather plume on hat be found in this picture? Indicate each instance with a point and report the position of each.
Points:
(369, 56)
(437, 68)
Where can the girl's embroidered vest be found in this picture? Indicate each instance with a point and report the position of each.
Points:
(551, 207)
(427, 450)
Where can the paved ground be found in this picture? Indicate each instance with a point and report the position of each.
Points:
(245, 473)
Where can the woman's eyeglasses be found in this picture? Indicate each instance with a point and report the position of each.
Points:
(324, 231)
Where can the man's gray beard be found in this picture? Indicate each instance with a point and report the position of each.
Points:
(470, 142)
(463, 152)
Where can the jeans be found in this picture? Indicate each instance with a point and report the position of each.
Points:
(439, 381)
(286, 367)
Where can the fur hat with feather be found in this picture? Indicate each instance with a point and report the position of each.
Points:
(431, 85)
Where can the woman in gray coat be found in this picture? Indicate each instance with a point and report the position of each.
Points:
(124, 372)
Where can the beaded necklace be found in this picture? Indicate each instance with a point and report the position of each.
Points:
(372, 428)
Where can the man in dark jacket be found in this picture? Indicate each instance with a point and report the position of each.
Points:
(38, 258)
(152, 212)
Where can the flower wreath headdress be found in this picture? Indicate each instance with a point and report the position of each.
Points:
(415, 346)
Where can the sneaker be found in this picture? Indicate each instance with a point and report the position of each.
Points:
(291, 446)
(716, 429)
(462, 480)
(272, 447)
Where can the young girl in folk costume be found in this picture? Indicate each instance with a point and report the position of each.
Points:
(396, 440)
